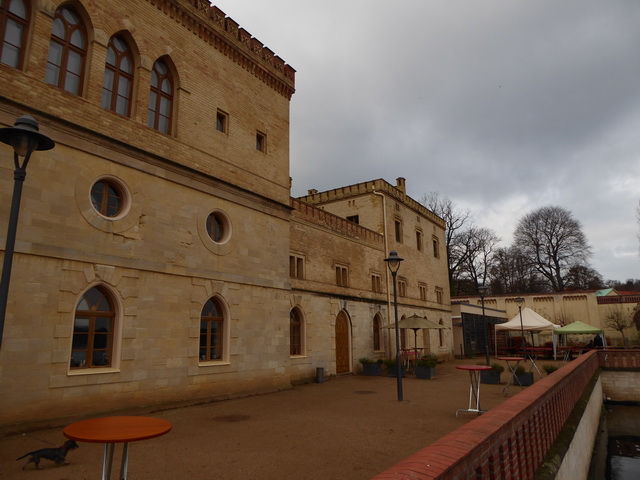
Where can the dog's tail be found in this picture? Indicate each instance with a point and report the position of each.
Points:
(25, 455)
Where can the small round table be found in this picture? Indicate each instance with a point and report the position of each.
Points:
(112, 430)
(512, 363)
(474, 387)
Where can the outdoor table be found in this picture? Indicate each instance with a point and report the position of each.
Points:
(474, 386)
(512, 367)
(112, 430)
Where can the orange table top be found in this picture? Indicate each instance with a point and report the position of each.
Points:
(473, 367)
(510, 359)
(117, 429)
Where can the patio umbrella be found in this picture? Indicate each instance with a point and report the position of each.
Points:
(415, 323)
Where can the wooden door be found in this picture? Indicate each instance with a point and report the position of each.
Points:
(343, 363)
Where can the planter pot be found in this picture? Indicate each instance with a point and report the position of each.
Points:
(393, 372)
(492, 377)
(371, 369)
(425, 373)
(523, 379)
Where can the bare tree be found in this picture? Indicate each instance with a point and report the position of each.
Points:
(581, 277)
(617, 319)
(552, 242)
(479, 246)
(511, 273)
(454, 218)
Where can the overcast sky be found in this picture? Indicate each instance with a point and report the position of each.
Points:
(503, 106)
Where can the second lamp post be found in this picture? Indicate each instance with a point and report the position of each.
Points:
(393, 262)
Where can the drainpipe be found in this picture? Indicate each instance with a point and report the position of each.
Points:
(386, 252)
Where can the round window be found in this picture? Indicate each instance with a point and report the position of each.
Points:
(218, 227)
(107, 197)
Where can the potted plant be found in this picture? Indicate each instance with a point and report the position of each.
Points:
(492, 376)
(370, 368)
(522, 378)
(426, 367)
(392, 367)
(549, 369)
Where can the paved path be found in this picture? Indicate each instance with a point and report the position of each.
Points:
(350, 427)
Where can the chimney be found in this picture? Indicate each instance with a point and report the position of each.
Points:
(312, 191)
(400, 185)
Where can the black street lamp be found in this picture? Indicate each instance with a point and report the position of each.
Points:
(393, 262)
(25, 139)
(483, 289)
(519, 302)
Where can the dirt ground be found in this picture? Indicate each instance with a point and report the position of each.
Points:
(348, 427)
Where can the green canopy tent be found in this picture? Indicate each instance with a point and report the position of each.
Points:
(577, 328)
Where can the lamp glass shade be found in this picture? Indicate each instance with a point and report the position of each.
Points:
(519, 301)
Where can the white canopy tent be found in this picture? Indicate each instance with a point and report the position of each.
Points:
(531, 322)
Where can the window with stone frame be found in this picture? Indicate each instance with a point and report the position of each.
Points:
(377, 332)
(402, 287)
(376, 283)
(296, 266)
(93, 330)
(439, 295)
(436, 247)
(419, 242)
(296, 332)
(212, 325)
(422, 287)
(342, 275)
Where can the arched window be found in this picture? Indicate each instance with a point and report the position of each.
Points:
(211, 331)
(13, 28)
(441, 333)
(377, 337)
(67, 51)
(118, 77)
(93, 330)
(161, 98)
(296, 332)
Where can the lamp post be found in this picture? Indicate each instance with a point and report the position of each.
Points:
(393, 262)
(25, 139)
(519, 302)
(483, 289)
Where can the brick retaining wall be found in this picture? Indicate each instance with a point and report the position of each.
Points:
(511, 440)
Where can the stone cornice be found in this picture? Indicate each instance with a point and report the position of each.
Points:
(216, 29)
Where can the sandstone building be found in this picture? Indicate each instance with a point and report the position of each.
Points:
(159, 256)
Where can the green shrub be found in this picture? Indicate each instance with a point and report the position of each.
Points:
(498, 367)
(549, 368)
(365, 360)
(428, 361)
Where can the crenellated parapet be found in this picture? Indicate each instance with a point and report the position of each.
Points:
(215, 28)
(319, 217)
(381, 186)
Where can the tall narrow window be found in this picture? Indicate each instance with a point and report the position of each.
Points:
(441, 333)
(376, 283)
(13, 28)
(211, 331)
(342, 276)
(377, 337)
(436, 247)
(161, 98)
(398, 230)
(93, 329)
(222, 121)
(296, 266)
(419, 240)
(402, 287)
(67, 51)
(423, 291)
(295, 332)
(261, 142)
(439, 294)
(118, 77)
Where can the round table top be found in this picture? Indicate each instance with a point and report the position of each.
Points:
(117, 429)
(510, 359)
(473, 367)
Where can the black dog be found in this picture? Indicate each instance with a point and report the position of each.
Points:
(54, 454)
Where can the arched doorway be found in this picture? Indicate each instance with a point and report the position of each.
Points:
(343, 354)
